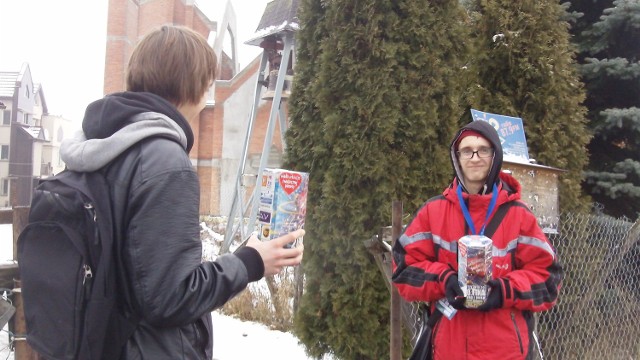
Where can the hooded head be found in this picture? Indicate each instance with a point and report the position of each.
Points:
(480, 129)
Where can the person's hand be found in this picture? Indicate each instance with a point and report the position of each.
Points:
(273, 253)
(454, 294)
(494, 299)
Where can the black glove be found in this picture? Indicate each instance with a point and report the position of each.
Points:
(494, 299)
(454, 294)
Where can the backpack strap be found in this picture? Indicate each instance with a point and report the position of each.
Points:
(497, 218)
(121, 326)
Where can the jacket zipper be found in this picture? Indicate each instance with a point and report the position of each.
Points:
(515, 326)
(86, 269)
(433, 337)
(93, 214)
(87, 273)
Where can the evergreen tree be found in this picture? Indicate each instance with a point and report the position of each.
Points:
(376, 101)
(527, 69)
(308, 151)
(607, 34)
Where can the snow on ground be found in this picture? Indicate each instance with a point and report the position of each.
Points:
(233, 339)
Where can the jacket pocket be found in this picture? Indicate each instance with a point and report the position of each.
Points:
(200, 337)
(517, 331)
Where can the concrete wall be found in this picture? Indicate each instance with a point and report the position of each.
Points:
(237, 112)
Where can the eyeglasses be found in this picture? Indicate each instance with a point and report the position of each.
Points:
(483, 152)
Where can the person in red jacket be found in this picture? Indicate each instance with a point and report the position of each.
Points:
(526, 274)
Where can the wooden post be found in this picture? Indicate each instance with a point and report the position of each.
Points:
(396, 319)
(20, 220)
(22, 350)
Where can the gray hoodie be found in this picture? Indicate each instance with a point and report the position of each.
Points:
(82, 154)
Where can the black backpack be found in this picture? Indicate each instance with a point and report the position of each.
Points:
(68, 272)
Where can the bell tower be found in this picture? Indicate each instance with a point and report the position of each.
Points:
(275, 35)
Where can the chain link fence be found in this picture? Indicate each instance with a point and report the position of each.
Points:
(599, 305)
(597, 313)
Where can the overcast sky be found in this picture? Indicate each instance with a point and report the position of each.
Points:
(64, 43)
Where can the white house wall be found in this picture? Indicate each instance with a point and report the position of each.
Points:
(237, 109)
(37, 158)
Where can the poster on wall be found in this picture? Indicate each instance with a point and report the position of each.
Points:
(511, 132)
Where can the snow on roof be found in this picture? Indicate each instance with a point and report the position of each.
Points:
(8, 83)
(35, 132)
(272, 30)
(279, 16)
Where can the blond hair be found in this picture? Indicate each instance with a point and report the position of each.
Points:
(173, 62)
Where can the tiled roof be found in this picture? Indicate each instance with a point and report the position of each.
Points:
(278, 16)
(277, 12)
(8, 83)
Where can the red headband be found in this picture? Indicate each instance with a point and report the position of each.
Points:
(466, 133)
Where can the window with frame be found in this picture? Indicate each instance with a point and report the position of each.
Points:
(4, 189)
(4, 152)
(6, 117)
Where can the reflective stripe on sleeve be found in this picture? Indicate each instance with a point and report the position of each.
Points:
(537, 243)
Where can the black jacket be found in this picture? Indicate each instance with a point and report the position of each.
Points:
(141, 142)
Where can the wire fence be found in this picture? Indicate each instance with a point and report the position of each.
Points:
(598, 309)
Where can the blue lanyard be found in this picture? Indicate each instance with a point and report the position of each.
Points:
(465, 210)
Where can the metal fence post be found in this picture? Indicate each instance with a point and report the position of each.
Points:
(396, 319)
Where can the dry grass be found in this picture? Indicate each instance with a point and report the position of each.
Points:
(268, 301)
(269, 304)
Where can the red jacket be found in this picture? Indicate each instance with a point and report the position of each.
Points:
(427, 251)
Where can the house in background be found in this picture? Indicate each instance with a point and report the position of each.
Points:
(56, 128)
(28, 151)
